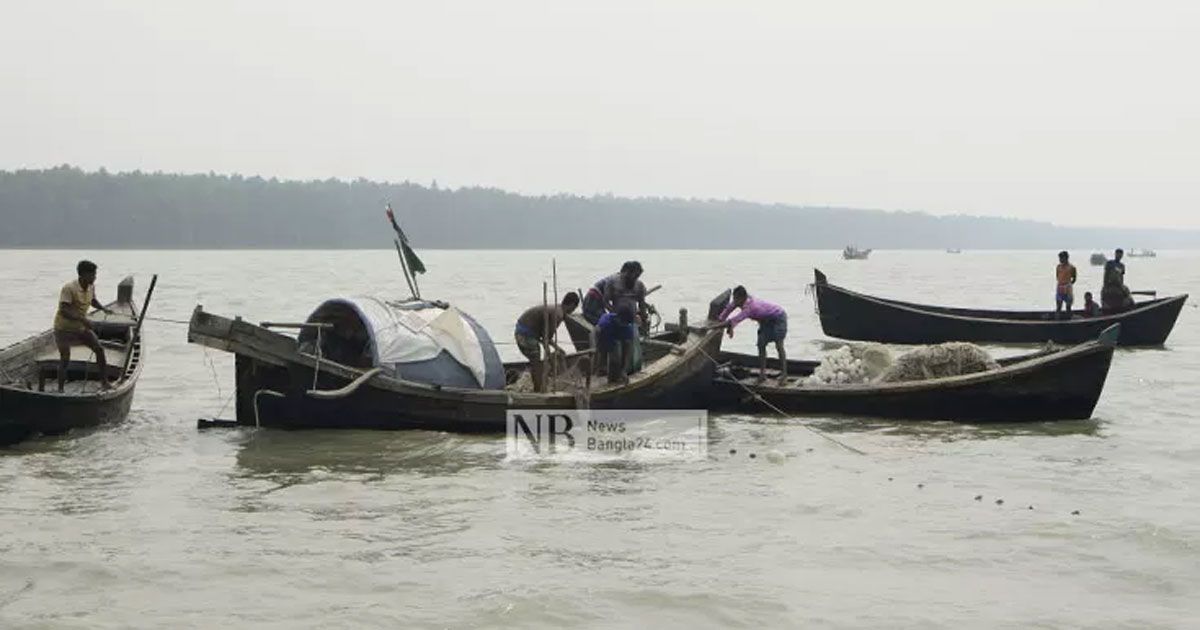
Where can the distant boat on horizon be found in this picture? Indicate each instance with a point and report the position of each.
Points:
(953, 250)
(853, 253)
(1143, 253)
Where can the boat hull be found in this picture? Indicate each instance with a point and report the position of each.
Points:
(24, 414)
(274, 383)
(1065, 385)
(849, 315)
(380, 408)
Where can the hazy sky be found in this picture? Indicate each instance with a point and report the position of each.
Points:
(1082, 112)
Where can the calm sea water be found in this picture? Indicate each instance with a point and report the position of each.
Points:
(154, 524)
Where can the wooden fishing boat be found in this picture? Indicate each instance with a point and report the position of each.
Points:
(850, 315)
(1049, 385)
(30, 403)
(287, 381)
(854, 253)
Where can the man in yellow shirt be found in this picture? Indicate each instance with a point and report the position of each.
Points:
(71, 325)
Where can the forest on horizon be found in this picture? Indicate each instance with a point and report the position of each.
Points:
(67, 207)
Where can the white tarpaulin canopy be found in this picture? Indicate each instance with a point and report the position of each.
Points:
(414, 332)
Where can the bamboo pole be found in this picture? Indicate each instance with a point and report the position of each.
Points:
(553, 335)
(404, 266)
(545, 336)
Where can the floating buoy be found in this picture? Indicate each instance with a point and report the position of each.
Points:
(920, 485)
(752, 455)
(999, 501)
(979, 497)
(1075, 513)
(733, 451)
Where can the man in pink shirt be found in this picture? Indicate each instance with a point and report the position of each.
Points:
(772, 327)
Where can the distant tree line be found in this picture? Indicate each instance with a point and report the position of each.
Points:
(69, 208)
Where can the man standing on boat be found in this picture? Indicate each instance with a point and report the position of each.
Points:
(629, 291)
(772, 327)
(536, 327)
(624, 285)
(593, 298)
(615, 336)
(71, 325)
(1064, 293)
(1115, 296)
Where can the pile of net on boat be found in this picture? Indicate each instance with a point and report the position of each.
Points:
(873, 363)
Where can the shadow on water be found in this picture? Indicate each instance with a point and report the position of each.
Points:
(942, 430)
(279, 454)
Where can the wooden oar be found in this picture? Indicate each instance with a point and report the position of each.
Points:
(1150, 293)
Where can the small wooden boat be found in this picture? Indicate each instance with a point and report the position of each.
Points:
(1048, 385)
(30, 403)
(853, 253)
(285, 381)
(850, 315)
(953, 250)
(1143, 253)
(1098, 259)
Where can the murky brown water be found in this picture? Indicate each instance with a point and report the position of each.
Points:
(154, 524)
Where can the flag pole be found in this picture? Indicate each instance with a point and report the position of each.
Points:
(416, 287)
(404, 266)
(409, 277)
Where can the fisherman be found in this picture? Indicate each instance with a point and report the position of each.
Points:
(593, 299)
(532, 331)
(627, 288)
(1090, 307)
(772, 327)
(1065, 274)
(615, 337)
(71, 324)
(1114, 295)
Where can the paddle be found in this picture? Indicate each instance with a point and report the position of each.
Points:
(1150, 293)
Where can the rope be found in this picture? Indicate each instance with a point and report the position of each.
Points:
(779, 411)
(216, 381)
(182, 322)
(811, 290)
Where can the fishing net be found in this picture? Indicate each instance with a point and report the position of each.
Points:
(940, 361)
(568, 377)
(851, 364)
(860, 363)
